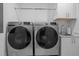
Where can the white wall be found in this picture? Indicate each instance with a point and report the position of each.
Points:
(36, 15)
(63, 9)
(76, 29)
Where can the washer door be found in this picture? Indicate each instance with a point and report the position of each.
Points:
(47, 37)
(19, 37)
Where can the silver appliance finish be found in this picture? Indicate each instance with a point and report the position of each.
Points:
(27, 51)
(39, 51)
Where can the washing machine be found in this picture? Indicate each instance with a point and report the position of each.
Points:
(47, 40)
(19, 39)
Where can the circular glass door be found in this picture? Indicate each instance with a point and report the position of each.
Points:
(19, 37)
(47, 37)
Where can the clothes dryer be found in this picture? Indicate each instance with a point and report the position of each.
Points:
(47, 41)
(19, 39)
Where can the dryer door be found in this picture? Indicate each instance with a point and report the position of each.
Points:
(47, 37)
(19, 37)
